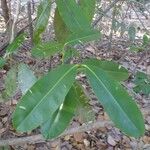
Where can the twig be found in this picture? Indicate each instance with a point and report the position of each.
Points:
(3, 47)
(5, 13)
(105, 12)
(112, 27)
(139, 19)
(39, 137)
(30, 22)
(15, 18)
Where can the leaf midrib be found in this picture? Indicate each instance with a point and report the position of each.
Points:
(78, 39)
(46, 95)
(110, 95)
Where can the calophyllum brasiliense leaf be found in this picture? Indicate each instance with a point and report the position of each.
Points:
(44, 98)
(120, 107)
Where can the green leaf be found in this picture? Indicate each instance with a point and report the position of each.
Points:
(142, 82)
(83, 36)
(60, 28)
(131, 32)
(84, 110)
(47, 49)
(88, 8)
(43, 14)
(61, 31)
(44, 98)
(70, 53)
(120, 107)
(13, 47)
(113, 69)
(26, 78)
(146, 40)
(59, 121)
(2, 62)
(73, 15)
(123, 28)
(11, 82)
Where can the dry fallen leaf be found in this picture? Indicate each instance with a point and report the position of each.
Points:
(111, 141)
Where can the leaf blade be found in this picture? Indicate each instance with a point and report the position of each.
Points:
(72, 15)
(43, 99)
(26, 78)
(42, 19)
(122, 110)
(47, 49)
(113, 69)
(62, 117)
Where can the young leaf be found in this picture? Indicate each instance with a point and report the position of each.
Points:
(44, 98)
(88, 8)
(13, 47)
(73, 15)
(11, 82)
(142, 82)
(43, 14)
(120, 107)
(131, 32)
(26, 78)
(113, 69)
(83, 36)
(59, 121)
(146, 40)
(2, 62)
(47, 49)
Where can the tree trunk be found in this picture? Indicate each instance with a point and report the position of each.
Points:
(5, 11)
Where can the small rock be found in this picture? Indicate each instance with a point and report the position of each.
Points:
(86, 142)
(78, 137)
(147, 127)
(146, 139)
(111, 141)
(67, 137)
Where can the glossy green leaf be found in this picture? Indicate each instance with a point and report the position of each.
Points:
(131, 32)
(73, 15)
(47, 49)
(26, 78)
(61, 31)
(142, 83)
(83, 36)
(88, 8)
(113, 69)
(11, 82)
(69, 54)
(13, 47)
(60, 28)
(2, 62)
(44, 98)
(43, 14)
(84, 111)
(146, 40)
(59, 121)
(120, 107)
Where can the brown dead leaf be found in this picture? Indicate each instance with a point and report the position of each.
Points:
(78, 137)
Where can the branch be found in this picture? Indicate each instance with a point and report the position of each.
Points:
(30, 21)
(105, 12)
(15, 18)
(5, 12)
(39, 137)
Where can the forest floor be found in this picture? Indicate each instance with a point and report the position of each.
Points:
(106, 137)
